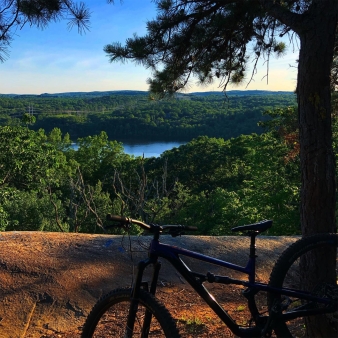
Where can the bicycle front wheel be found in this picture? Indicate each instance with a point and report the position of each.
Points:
(297, 269)
(108, 317)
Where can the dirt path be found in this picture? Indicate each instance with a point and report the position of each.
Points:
(50, 281)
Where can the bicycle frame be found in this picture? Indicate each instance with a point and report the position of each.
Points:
(196, 280)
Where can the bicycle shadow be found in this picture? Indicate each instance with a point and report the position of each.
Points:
(50, 281)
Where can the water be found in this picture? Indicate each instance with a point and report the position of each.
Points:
(151, 149)
(146, 149)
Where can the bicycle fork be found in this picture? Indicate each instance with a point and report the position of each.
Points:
(135, 297)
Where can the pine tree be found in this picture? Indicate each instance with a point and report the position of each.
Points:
(216, 40)
(14, 14)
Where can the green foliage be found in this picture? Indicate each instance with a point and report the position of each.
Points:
(28, 119)
(205, 39)
(4, 219)
(234, 182)
(98, 157)
(334, 67)
(32, 171)
(60, 143)
(284, 120)
(42, 190)
(212, 183)
(87, 207)
(204, 163)
(27, 160)
(136, 117)
(16, 14)
(28, 210)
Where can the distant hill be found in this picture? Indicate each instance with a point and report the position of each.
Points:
(241, 93)
(139, 92)
(79, 94)
(95, 93)
(129, 114)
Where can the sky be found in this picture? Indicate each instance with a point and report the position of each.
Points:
(56, 60)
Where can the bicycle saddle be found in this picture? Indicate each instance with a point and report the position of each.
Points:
(256, 227)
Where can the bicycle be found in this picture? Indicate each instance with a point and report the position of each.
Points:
(135, 312)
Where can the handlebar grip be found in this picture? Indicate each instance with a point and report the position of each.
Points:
(117, 218)
(127, 220)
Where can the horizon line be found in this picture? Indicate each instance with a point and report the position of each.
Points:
(145, 91)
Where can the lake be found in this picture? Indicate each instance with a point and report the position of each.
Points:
(148, 149)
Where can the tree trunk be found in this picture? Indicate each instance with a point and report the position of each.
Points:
(316, 154)
(314, 109)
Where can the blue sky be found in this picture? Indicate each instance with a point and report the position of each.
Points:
(57, 60)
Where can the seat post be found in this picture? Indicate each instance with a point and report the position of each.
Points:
(253, 255)
(253, 235)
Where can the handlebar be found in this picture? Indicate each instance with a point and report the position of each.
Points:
(174, 230)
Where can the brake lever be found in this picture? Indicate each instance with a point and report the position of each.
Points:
(121, 225)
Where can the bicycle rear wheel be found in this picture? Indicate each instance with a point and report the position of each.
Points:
(108, 317)
(295, 269)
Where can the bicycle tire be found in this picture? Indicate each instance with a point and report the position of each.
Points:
(108, 318)
(286, 274)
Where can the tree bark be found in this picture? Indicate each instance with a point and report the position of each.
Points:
(314, 111)
(318, 186)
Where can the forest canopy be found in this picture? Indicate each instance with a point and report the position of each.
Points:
(133, 116)
(212, 182)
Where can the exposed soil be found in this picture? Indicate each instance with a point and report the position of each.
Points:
(50, 281)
